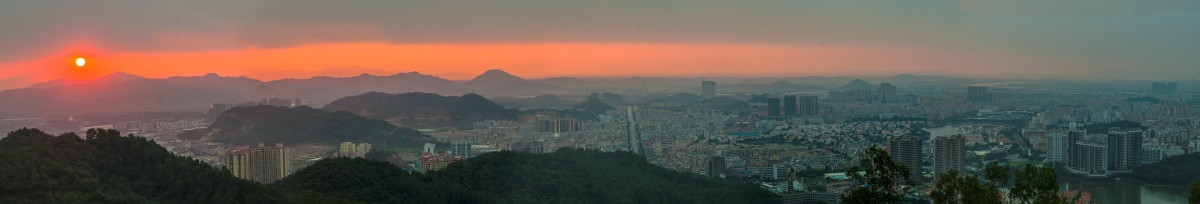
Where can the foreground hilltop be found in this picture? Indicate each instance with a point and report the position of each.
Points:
(105, 167)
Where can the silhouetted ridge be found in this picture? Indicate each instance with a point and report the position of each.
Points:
(423, 109)
(301, 125)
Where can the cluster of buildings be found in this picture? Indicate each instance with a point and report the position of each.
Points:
(804, 105)
(262, 164)
(349, 149)
(157, 125)
(1096, 155)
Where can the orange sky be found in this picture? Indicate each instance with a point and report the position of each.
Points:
(533, 60)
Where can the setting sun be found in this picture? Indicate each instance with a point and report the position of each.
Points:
(80, 61)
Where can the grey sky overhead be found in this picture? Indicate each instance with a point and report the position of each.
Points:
(1084, 39)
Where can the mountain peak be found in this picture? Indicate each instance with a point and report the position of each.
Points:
(857, 84)
(495, 76)
(121, 76)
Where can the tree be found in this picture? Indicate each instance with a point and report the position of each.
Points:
(878, 178)
(1195, 198)
(1032, 185)
(1035, 184)
(954, 188)
(997, 174)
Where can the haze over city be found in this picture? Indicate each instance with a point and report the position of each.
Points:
(852, 101)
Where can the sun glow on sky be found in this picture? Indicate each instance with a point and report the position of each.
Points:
(530, 60)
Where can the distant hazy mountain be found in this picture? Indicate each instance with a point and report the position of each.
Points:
(111, 78)
(123, 92)
(115, 93)
(423, 109)
(857, 85)
(303, 125)
(497, 82)
(325, 89)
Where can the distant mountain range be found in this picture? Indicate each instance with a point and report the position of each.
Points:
(123, 92)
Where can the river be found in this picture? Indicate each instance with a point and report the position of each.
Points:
(1125, 191)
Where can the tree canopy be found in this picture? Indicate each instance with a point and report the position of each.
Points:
(565, 176)
(299, 125)
(423, 109)
(879, 178)
(104, 167)
(1031, 185)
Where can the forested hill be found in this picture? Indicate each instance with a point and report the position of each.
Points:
(302, 125)
(104, 167)
(108, 168)
(1179, 170)
(565, 176)
(424, 110)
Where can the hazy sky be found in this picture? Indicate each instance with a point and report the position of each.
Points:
(1100, 39)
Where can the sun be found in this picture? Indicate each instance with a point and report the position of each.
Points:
(80, 62)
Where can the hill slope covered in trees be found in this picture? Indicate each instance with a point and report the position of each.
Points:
(565, 176)
(105, 167)
(301, 125)
(424, 110)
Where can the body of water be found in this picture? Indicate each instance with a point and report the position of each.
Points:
(1125, 191)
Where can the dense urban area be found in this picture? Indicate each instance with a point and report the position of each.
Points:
(795, 138)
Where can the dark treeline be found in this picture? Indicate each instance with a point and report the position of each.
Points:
(105, 167)
(565, 176)
(301, 125)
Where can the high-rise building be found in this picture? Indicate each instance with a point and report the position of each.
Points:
(789, 105)
(887, 93)
(1164, 87)
(708, 89)
(260, 164)
(631, 128)
(429, 148)
(715, 166)
(907, 150)
(461, 148)
(978, 94)
(808, 105)
(1124, 150)
(1057, 146)
(948, 154)
(773, 107)
(1074, 160)
(1092, 158)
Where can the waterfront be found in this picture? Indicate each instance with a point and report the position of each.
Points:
(1125, 191)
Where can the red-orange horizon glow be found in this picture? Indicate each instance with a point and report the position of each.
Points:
(533, 60)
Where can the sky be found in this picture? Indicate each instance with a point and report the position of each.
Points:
(269, 40)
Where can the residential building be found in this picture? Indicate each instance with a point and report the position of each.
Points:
(948, 154)
(907, 150)
(260, 164)
(708, 89)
